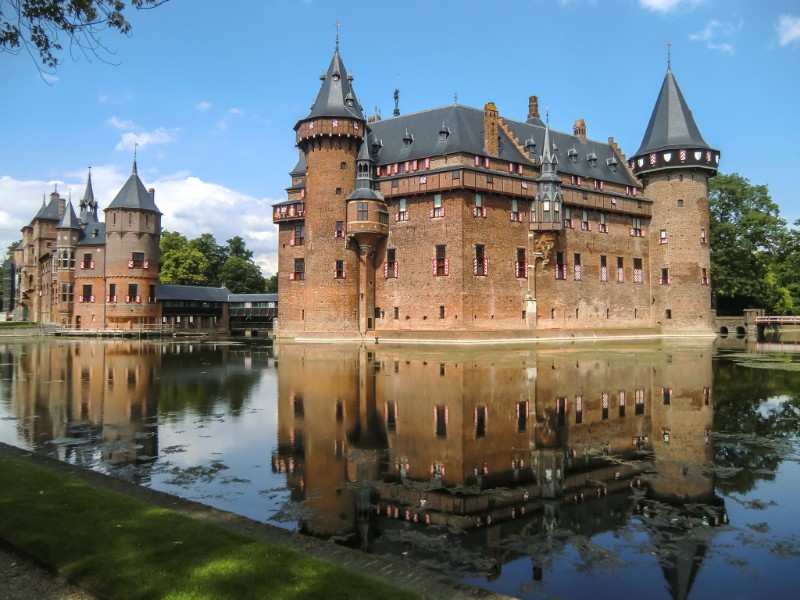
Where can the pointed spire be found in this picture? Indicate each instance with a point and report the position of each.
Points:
(546, 155)
(336, 97)
(69, 220)
(87, 204)
(135, 148)
(134, 195)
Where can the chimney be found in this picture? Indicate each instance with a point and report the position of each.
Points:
(490, 141)
(579, 129)
(533, 107)
(152, 193)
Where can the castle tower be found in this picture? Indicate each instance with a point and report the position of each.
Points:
(674, 164)
(68, 232)
(133, 233)
(320, 288)
(88, 205)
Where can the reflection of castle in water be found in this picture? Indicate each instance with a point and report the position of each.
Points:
(382, 446)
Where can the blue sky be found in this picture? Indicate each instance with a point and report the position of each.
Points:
(211, 94)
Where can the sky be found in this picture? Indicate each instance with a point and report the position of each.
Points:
(211, 92)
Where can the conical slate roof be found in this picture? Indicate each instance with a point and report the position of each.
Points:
(49, 211)
(134, 195)
(336, 97)
(69, 220)
(671, 125)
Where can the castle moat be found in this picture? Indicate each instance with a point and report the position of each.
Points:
(661, 469)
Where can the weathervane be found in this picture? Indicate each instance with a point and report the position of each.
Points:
(337, 34)
(669, 58)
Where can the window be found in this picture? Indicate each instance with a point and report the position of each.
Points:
(561, 411)
(87, 262)
(662, 236)
(561, 268)
(481, 417)
(390, 266)
(339, 272)
(137, 260)
(603, 226)
(604, 407)
(636, 227)
(621, 402)
(133, 293)
(112, 293)
(339, 231)
(383, 217)
(521, 264)
(338, 191)
(342, 165)
(299, 272)
(479, 210)
(666, 394)
(402, 214)
(438, 209)
(479, 266)
(152, 296)
(704, 278)
(396, 312)
(391, 416)
(638, 274)
(664, 279)
(515, 215)
(680, 202)
(603, 268)
(578, 410)
(87, 294)
(299, 235)
(620, 270)
(441, 266)
(362, 211)
(568, 217)
(441, 311)
(638, 402)
(585, 226)
(522, 416)
(703, 239)
(441, 415)
(577, 266)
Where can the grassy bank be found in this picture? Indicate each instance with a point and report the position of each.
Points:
(119, 547)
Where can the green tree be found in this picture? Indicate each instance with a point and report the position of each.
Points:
(184, 266)
(271, 286)
(237, 247)
(216, 255)
(242, 276)
(746, 235)
(38, 26)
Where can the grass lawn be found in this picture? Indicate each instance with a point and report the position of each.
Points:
(119, 547)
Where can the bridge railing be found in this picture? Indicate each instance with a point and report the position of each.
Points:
(778, 320)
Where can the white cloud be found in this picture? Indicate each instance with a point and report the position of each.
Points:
(189, 205)
(665, 6)
(235, 111)
(788, 29)
(717, 34)
(143, 138)
(203, 105)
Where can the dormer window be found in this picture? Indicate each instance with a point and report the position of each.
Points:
(612, 163)
(336, 76)
(572, 154)
(376, 146)
(407, 139)
(444, 133)
(592, 158)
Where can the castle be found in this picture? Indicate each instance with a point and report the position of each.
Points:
(459, 220)
(75, 271)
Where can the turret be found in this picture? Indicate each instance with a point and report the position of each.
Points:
(674, 163)
(549, 198)
(88, 205)
(68, 232)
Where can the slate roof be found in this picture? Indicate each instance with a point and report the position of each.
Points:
(465, 127)
(197, 293)
(252, 297)
(671, 125)
(69, 220)
(336, 97)
(134, 195)
(300, 167)
(49, 211)
(93, 234)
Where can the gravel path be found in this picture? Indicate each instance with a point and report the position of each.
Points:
(23, 579)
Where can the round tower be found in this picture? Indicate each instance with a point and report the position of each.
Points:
(674, 164)
(316, 249)
(133, 233)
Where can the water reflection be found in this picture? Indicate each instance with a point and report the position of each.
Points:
(389, 449)
(528, 471)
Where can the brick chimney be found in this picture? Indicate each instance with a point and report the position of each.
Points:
(152, 193)
(533, 107)
(490, 141)
(579, 129)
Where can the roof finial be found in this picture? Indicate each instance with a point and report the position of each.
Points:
(455, 98)
(547, 115)
(337, 35)
(669, 58)
(397, 97)
(135, 148)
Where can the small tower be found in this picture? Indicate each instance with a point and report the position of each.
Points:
(549, 198)
(87, 204)
(133, 233)
(329, 139)
(674, 164)
(68, 232)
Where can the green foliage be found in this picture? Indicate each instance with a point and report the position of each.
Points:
(750, 249)
(39, 25)
(202, 261)
(272, 284)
